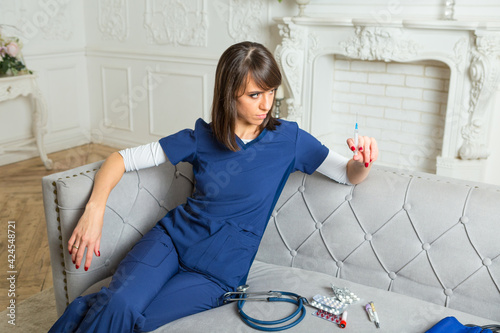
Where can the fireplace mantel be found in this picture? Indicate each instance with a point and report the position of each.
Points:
(471, 49)
(470, 25)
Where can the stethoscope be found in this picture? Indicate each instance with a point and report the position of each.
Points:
(270, 296)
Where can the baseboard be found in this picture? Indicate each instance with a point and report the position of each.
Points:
(53, 144)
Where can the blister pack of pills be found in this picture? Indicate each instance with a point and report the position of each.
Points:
(327, 316)
(340, 320)
(328, 304)
(344, 295)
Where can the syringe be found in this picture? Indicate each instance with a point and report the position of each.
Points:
(356, 138)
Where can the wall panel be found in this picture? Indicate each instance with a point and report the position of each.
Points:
(62, 97)
(176, 101)
(117, 107)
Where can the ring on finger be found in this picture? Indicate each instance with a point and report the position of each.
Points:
(76, 247)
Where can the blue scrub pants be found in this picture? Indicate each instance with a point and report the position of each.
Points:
(149, 289)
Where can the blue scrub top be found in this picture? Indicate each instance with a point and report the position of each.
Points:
(218, 231)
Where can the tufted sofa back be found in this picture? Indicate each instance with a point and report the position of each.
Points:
(420, 235)
(134, 206)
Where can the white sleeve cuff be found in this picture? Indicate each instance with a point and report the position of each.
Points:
(335, 167)
(143, 157)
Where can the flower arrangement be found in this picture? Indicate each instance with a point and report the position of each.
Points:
(11, 59)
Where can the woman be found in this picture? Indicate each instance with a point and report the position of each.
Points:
(204, 248)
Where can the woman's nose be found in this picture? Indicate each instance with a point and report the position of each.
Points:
(266, 102)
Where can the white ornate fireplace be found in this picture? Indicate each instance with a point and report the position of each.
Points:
(413, 73)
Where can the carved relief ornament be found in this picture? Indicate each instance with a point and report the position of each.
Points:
(290, 57)
(379, 43)
(177, 22)
(113, 19)
(460, 51)
(245, 21)
(59, 26)
(484, 73)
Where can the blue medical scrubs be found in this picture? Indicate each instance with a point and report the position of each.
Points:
(203, 248)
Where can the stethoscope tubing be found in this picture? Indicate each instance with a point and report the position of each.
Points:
(254, 323)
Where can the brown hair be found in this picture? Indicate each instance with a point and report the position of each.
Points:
(235, 65)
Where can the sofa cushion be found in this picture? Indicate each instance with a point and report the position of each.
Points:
(397, 313)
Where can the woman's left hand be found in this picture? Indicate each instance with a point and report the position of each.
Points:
(367, 150)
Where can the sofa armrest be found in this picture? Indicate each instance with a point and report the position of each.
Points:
(137, 202)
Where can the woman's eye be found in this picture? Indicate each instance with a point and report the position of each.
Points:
(254, 95)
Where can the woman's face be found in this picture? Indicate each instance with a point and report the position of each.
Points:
(253, 105)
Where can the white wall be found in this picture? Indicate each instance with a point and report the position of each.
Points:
(54, 48)
(123, 72)
(108, 79)
(152, 73)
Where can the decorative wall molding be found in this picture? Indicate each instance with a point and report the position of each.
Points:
(461, 50)
(176, 22)
(290, 56)
(117, 108)
(380, 43)
(175, 85)
(63, 116)
(61, 53)
(60, 24)
(246, 20)
(152, 55)
(484, 73)
(313, 48)
(113, 19)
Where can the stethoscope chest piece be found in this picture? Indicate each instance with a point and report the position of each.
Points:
(243, 288)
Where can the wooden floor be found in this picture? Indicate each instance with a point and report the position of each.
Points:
(21, 202)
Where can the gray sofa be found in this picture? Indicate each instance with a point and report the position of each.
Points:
(421, 247)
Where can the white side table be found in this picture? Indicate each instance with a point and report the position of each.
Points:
(23, 85)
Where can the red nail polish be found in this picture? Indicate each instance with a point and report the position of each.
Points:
(98, 253)
(69, 251)
(366, 165)
(86, 269)
(74, 262)
(77, 266)
(360, 148)
(353, 148)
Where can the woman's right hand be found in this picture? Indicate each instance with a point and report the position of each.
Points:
(87, 235)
